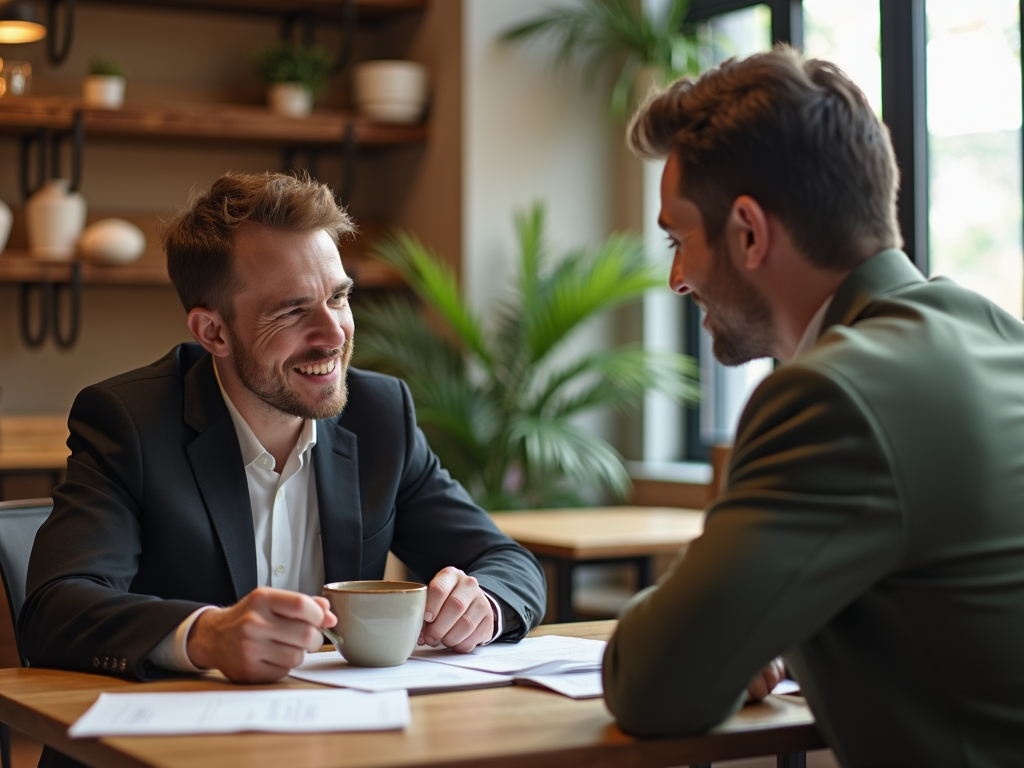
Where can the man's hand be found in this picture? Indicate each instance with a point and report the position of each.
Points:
(766, 680)
(457, 614)
(260, 638)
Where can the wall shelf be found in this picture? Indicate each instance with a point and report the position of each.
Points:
(17, 265)
(367, 10)
(203, 122)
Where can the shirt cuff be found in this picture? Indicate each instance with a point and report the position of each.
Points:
(499, 622)
(171, 652)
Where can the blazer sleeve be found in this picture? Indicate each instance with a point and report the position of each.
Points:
(438, 524)
(79, 612)
(809, 520)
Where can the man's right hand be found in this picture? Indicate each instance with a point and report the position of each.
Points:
(260, 638)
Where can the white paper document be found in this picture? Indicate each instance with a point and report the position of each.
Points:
(414, 676)
(535, 655)
(575, 685)
(280, 711)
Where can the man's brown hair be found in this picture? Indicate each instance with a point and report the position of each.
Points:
(200, 240)
(797, 136)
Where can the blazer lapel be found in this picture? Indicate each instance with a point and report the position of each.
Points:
(336, 464)
(216, 463)
(883, 273)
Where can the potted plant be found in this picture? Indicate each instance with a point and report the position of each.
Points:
(104, 84)
(498, 399)
(294, 76)
(646, 50)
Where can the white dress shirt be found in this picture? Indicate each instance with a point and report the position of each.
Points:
(813, 329)
(286, 524)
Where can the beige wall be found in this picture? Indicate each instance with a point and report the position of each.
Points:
(205, 56)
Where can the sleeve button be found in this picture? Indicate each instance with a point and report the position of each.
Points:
(95, 661)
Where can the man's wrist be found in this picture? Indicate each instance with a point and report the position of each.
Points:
(172, 652)
(499, 628)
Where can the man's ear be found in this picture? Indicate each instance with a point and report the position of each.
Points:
(210, 331)
(748, 229)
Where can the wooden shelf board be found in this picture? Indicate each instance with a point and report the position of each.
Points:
(367, 10)
(204, 122)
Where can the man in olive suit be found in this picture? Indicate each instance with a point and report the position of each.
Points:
(872, 526)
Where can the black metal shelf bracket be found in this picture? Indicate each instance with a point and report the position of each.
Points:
(48, 145)
(348, 169)
(57, 48)
(34, 339)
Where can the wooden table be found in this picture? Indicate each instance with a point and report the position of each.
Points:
(34, 445)
(571, 537)
(492, 728)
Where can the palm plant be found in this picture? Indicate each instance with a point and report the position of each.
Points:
(618, 31)
(498, 403)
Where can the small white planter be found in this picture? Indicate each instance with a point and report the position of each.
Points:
(103, 91)
(391, 91)
(289, 99)
(55, 218)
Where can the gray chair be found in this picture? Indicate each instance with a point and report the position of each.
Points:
(19, 521)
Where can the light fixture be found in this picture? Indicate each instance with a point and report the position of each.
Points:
(19, 23)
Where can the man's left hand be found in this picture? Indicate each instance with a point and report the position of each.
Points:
(765, 680)
(458, 614)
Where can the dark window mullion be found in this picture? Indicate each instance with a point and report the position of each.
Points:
(903, 36)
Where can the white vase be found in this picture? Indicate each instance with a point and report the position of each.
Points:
(103, 91)
(6, 219)
(391, 91)
(290, 99)
(55, 218)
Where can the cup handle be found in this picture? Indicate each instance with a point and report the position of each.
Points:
(333, 636)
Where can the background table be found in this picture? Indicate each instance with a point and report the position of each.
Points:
(571, 537)
(496, 728)
(33, 445)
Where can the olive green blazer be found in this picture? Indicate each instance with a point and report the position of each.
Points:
(871, 532)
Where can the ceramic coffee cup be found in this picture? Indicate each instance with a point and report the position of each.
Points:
(378, 621)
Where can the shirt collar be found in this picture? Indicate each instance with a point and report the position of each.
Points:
(813, 329)
(250, 445)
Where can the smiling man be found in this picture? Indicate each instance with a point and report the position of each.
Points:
(871, 528)
(210, 495)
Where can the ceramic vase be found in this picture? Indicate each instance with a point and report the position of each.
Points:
(103, 91)
(290, 99)
(391, 91)
(6, 219)
(55, 218)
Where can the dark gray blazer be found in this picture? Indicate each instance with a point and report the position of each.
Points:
(154, 519)
(872, 531)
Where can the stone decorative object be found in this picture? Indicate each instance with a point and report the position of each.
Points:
(6, 219)
(290, 99)
(112, 241)
(55, 217)
(391, 91)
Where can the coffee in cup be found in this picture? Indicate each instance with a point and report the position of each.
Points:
(378, 621)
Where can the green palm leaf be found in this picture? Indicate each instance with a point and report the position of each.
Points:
(496, 404)
(434, 282)
(555, 446)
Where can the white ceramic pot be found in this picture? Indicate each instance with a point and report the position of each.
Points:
(112, 241)
(391, 90)
(55, 219)
(103, 91)
(6, 219)
(290, 99)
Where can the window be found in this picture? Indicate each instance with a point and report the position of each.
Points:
(945, 75)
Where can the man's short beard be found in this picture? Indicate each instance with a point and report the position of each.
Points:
(744, 329)
(274, 392)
